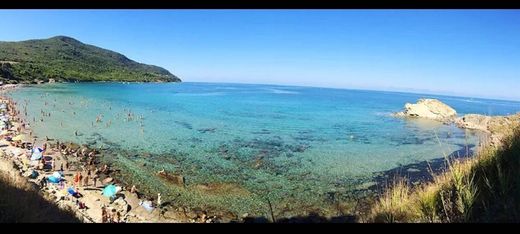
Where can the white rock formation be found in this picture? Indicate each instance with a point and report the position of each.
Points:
(474, 121)
(430, 109)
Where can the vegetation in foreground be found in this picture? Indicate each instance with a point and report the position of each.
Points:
(66, 59)
(485, 188)
(21, 203)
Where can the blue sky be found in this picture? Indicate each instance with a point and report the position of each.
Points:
(455, 52)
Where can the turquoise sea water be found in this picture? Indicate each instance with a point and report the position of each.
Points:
(239, 144)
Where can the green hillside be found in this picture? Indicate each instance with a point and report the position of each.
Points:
(67, 59)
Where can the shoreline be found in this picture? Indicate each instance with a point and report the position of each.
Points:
(179, 215)
(16, 162)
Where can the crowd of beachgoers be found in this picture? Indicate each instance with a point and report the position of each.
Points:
(73, 177)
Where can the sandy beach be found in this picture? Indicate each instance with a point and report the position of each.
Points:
(68, 161)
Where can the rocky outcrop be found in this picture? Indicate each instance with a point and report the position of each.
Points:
(474, 121)
(176, 179)
(429, 109)
(490, 124)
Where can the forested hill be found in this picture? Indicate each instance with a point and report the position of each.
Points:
(67, 59)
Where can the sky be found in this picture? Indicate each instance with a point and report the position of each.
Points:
(473, 53)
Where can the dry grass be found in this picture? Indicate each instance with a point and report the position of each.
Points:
(21, 203)
(485, 188)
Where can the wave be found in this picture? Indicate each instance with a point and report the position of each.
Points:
(202, 94)
(281, 91)
(384, 113)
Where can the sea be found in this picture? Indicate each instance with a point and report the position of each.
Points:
(250, 149)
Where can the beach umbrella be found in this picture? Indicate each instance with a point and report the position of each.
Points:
(71, 191)
(53, 179)
(109, 191)
(56, 175)
(19, 138)
(37, 154)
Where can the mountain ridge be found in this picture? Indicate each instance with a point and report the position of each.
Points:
(67, 59)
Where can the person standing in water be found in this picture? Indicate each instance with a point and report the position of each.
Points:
(133, 189)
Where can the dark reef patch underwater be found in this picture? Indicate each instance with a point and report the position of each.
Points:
(234, 149)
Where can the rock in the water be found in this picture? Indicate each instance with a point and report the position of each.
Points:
(474, 121)
(172, 178)
(429, 109)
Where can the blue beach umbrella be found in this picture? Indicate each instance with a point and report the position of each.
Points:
(55, 177)
(109, 191)
(71, 191)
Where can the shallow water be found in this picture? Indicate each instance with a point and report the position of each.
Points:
(238, 144)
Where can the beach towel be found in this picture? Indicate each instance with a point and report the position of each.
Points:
(19, 138)
(109, 191)
(147, 205)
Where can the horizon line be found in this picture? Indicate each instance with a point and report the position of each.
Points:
(437, 93)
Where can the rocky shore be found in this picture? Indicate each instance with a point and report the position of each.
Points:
(82, 179)
(436, 110)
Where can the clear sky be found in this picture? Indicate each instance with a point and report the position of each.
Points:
(457, 52)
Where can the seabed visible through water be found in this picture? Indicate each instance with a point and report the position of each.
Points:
(239, 146)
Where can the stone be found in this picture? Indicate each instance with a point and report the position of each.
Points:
(429, 109)
(174, 215)
(121, 205)
(413, 170)
(108, 180)
(176, 179)
(474, 121)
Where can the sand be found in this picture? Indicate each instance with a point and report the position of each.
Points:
(16, 161)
